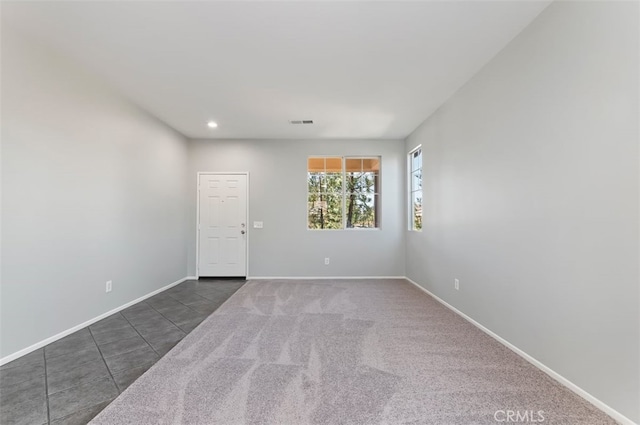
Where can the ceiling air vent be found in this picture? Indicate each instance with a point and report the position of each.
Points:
(300, 121)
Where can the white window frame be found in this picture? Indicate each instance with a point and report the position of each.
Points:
(410, 191)
(344, 194)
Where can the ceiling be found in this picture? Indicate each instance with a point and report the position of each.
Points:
(372, 70)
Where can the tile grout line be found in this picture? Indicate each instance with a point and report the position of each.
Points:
(190, 308)
(210, 301)
(46, 386)
(171, 321)
(206, 315)
(134, 328)
(187, 305)
(103, 360)
(177, 300)
(194, 291)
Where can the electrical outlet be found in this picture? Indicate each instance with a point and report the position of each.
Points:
(109, 286)
(326, 261)
(456, 284)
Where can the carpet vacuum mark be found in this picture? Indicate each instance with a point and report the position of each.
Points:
(341, 352)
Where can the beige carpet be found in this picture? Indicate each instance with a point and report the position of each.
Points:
(342, 352)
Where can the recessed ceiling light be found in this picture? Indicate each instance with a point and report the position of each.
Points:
(212, 124)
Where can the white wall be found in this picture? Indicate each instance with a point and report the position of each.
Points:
(278, 190)
(531, 199)
(92, 189)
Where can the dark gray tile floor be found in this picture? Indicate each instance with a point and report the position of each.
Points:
(73, 379)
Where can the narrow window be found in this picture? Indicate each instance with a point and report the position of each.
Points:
(415, 189)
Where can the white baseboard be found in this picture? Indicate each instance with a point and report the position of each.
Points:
(320, 277)
(69, 331)
(619, 417)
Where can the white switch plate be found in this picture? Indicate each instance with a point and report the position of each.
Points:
(456, 284)
(326, 261)
(257, 225)
(109, 286)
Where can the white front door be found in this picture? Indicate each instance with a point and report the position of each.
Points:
(222, 225)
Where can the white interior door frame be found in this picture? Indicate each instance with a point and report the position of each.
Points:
(201, 173)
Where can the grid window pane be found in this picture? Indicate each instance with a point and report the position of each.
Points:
(417, 210)
(332, 183)
(361, 210)
(324, 211)
(315, 182)
(315, 164)
(371, 164)
(333, 165)
(353, 165)
(416, 160)
(416, 180)
(361, 182)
